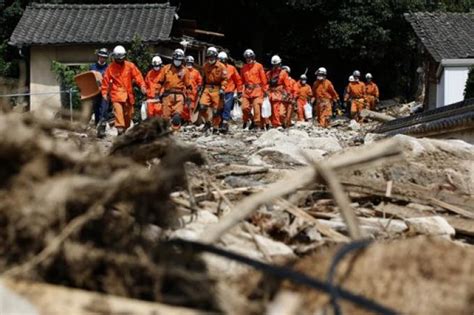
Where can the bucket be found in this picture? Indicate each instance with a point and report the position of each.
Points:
(88, 84)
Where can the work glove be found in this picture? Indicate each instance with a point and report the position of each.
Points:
(221, 93)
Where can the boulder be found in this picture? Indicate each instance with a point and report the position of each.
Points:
(432, 226)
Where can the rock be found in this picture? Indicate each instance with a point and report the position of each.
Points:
(328, 144)
(238, 181)
(419, 207)
(286, 154)
(198, 225)
(13, 304)
(434, 226)
(354, 125)
(373, 137)
(298, 134)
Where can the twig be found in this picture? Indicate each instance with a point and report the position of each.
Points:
(75, 225)
(452, 208)
(297, 180)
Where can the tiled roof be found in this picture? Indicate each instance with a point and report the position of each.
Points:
(43, 24)
(445, 35)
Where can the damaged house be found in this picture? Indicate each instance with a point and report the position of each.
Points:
(447, 50)
(71, 33)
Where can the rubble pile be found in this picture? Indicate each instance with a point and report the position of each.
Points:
(96, 215)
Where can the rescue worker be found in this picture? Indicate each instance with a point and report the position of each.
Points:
(117, 87)
(356, 96)
(324, 94)
(280, 88)
(196, 83)
(346, 92)
(372, 92)
(175, 86)
(154, 106)
(290, 104)
(234, 86)
(215, 83)
(254, 83)
(304, 96)
(99, 104)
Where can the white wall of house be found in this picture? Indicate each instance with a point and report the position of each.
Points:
(452, 81)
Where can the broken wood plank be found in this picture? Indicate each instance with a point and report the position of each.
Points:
(461, 225)
(323, 229)
(408, 192)
(452, 208)
(365, 113)
(57, 300)
(383, 150)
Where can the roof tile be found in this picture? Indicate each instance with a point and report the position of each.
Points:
(43, 24)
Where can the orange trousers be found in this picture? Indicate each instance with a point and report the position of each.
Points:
(286, 111)
(357, 105)
(211, 106)
(173, 104)
(154, 109)
(188, 110)
(278, 113)
(300, 103)
(255, 103)
(123, 112)
(324, 112)
(371, 102)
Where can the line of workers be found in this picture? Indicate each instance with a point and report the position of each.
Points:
(177, 90)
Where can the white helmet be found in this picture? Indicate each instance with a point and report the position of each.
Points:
(351, 78)
(303, 77)
(368, 76)
(287, 69)
(356, 73)
(222, 55)
(189, 59)
(248, 53)
(119, 52)
(156, 61)
(276, 60)
(211, 52)
(322, 71)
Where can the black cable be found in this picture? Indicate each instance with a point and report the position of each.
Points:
(340, 254)
(285, 273)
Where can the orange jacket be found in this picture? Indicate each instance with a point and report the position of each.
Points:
(215, 74)
(324, 89)
(196, 79)
(254, 80)
(355, 90)
(294, 87)
(151, 81)
(372, 89)
(304, 91)
(119, 78)
(235, 81)
(280, 80)
(172, 79)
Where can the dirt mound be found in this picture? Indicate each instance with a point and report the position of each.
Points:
(87, 220)
(412, 276)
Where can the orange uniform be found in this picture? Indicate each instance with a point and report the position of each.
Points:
(175, 86)
(303, 96)
(215, 80)
(325, 94)
(281, 88)
(196, 82)
(234, 83)
(372, 94)
(356, 92)
(254, 83)
(117, 87)
(154, 106)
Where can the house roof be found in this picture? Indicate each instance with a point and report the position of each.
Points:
(445, 35)
(55, 24)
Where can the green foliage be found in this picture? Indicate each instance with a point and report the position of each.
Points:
(65, 76)
(140, 54)
(469, 90)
